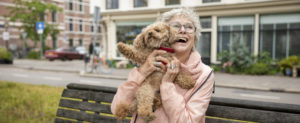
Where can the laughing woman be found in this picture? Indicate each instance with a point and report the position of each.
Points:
(178, 105)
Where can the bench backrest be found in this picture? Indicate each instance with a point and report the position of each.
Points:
(86, 103)
(92, 104)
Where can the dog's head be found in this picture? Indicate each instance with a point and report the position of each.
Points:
(155, 35)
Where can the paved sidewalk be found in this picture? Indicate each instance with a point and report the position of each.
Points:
(267, 83)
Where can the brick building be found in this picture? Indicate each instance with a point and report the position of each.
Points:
(75, 25)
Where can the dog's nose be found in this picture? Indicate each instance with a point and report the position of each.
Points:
(150, 33)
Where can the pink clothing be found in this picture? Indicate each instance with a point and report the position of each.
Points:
(179, 105)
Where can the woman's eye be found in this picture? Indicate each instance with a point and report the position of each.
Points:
(176, 26)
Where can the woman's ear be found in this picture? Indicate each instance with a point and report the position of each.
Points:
(139, 41)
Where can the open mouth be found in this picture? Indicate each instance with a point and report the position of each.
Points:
(181, 40)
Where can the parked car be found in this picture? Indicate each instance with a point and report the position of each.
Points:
(81, 50)
(64, 53)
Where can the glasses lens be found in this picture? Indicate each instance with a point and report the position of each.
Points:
(189, 28)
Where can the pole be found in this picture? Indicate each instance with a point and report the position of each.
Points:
(41, 40)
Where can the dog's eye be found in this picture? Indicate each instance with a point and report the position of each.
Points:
(157, 30)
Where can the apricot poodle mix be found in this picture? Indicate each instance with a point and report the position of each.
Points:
(148, 98)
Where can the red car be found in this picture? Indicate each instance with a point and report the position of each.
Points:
(63, 54)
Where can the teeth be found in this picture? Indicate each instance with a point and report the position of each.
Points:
(181, 40)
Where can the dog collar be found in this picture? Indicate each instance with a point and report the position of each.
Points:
(170, 50)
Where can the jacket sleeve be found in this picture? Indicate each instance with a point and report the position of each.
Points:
(192, 110)
(126, 91)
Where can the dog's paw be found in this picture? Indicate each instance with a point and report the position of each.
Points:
(148, 116)
(122, 110)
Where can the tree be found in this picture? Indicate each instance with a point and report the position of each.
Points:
(28, 12)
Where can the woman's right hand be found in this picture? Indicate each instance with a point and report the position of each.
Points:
(153, 63)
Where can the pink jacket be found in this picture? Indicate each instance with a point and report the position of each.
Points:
(179, 105)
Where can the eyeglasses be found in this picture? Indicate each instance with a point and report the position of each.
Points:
(189, 28)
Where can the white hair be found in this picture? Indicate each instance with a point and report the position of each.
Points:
(185, 12)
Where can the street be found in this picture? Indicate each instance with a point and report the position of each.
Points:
(61, 79)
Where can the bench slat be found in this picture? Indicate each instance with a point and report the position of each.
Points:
(251, 114)
(82, 116)
(88, 95)
(96, 107)
(58, 120)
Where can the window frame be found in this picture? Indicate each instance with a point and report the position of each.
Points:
(114, 4)
(135, 3)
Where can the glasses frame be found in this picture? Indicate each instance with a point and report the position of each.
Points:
(184, 26)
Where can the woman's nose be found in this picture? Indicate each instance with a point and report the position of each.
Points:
(182, 29)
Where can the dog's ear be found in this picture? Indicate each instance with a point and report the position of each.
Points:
(172, 34)
(139, 41)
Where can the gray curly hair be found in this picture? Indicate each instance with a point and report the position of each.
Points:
(186, 12)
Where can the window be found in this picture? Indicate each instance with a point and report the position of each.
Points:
(70, 4)
(210, 1)
(112, 4)
(54, 16)
(99, 29)
(235, 29)
(203, 45)
(127, 31)
(71, 42)
(80, 26)
(92, 27)
(140, 3)
(80, 42)
(172, 2)
(70, 24)
(80, 6)
(205, 22)
(280, 35)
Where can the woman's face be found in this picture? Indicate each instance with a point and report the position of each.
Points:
(186, 34)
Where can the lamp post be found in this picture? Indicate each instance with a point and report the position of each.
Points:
(24, 35)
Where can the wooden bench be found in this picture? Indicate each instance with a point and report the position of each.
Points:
(87, 103)
(295, 70)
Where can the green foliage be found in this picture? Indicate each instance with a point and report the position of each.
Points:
(31, 11)
(216, 67)
(240, 57)
(129, 65)
(5, 54)
(239, 60)
(28, 103)
(289, 62)
(34, 55)
(258, 69)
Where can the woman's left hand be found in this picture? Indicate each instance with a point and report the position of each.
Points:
(172, 70)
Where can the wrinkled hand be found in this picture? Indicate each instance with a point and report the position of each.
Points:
(172, 70)
(154, 63)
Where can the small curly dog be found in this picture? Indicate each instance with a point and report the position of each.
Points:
(148, 98)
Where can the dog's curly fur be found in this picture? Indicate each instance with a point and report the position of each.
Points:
(148, 98)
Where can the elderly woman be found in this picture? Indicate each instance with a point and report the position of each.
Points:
(178, 105)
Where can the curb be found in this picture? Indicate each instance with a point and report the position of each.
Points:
(108, 76)
(105, 76)
(45, 69)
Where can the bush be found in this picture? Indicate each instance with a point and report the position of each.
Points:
(5, 56)
(238, 59)
(289, 62)
(258, 69)
(34, 55)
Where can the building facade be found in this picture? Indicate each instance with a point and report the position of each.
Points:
(264, 25)
(74, 22)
